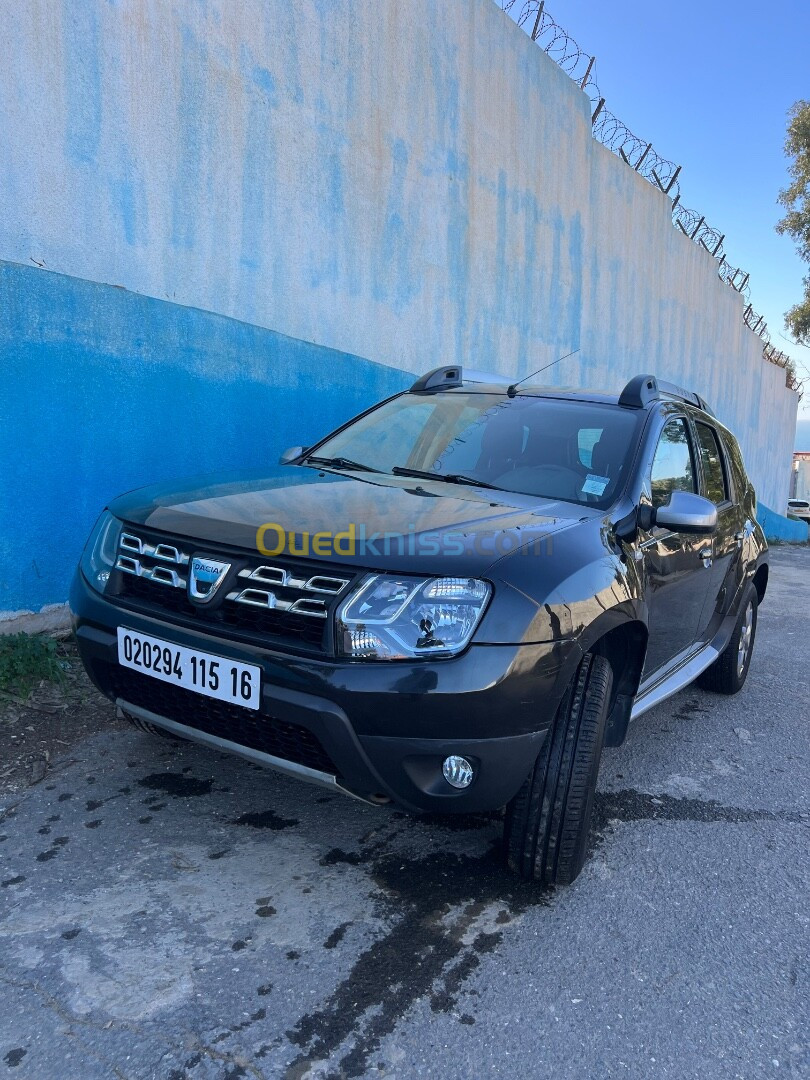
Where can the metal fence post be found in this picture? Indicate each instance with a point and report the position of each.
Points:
(537, 20)
(586, 76)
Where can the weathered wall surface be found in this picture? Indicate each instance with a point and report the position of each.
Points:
(106, 389)
(405, 184)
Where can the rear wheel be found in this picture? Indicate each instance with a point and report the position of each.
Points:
(547, 822)
(729, 671)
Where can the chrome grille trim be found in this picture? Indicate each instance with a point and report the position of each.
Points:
(254, 597)
(166, 552)
(263, 598)
(277, 575)
(270, 575)
(306, 606)
(167, 577)
(161, 574)
(330, 585)
(170, 553)
(265, 587)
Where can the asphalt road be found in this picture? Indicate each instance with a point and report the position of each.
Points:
(173, 913)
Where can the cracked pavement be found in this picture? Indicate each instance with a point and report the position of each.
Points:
(170, 912)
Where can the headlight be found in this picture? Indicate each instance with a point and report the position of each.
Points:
(395, 618)
(101, 550)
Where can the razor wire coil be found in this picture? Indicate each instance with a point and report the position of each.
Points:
(640, 155)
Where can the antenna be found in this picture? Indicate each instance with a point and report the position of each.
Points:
(512, 390)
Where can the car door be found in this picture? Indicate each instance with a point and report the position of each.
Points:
(675, 564)
(726, 542)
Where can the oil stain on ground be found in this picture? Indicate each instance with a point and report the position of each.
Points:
(431, 904)
(176, 784)
(266, 819)
(51, 853)
(630, 805)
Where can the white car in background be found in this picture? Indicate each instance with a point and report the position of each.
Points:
(799, 508)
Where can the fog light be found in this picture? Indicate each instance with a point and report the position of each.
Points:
(458, 772)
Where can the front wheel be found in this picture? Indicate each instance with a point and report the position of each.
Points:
(729, 671)
(547, 822)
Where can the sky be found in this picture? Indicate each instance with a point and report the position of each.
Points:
(709, 84)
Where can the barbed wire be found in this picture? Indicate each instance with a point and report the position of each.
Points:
(634, 151)
(695, 226)
(555, 41)
(639, 155)
(756, 322)
(734, 276)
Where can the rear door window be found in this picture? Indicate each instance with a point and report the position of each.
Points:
(715, 484)
(735, 469)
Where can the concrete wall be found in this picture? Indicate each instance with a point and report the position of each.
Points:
(782, 530)
(406, 183)
(103, 389)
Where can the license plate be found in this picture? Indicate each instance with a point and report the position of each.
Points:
(215, 676)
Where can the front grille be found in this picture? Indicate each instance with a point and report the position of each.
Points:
(232, 722)
(284, 603)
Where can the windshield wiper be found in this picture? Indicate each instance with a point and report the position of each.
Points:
(340, 463)
(448, 478)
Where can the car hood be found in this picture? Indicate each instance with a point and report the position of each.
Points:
(453, 529)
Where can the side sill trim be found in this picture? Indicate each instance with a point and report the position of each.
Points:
(289, 768)
(672, 684)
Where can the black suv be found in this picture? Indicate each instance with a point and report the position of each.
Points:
(452, 602)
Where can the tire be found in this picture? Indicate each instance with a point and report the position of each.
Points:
(728, 673)
(152, 729)
(547, 822)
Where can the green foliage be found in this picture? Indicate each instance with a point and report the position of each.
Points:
(796, 200)
(25, 659)
(797, 318)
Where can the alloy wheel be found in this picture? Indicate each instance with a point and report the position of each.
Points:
(746, 634)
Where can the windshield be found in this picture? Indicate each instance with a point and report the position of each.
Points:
(571, 450)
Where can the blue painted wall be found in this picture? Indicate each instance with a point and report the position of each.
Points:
(414, 183)
(780, 529)
(102, 390)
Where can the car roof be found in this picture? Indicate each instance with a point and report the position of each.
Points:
(640, 393)
(571, 393)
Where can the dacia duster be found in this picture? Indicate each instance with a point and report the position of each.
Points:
(452, 602)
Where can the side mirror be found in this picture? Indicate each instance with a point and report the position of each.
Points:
(291, 454)
(685, 512)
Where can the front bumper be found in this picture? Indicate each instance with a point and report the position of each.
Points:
(375, 730)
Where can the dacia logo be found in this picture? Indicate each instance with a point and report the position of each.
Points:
(205, 577)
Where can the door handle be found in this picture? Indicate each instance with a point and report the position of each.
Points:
(705, 554)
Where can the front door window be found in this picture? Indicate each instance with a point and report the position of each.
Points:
(673, 468)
